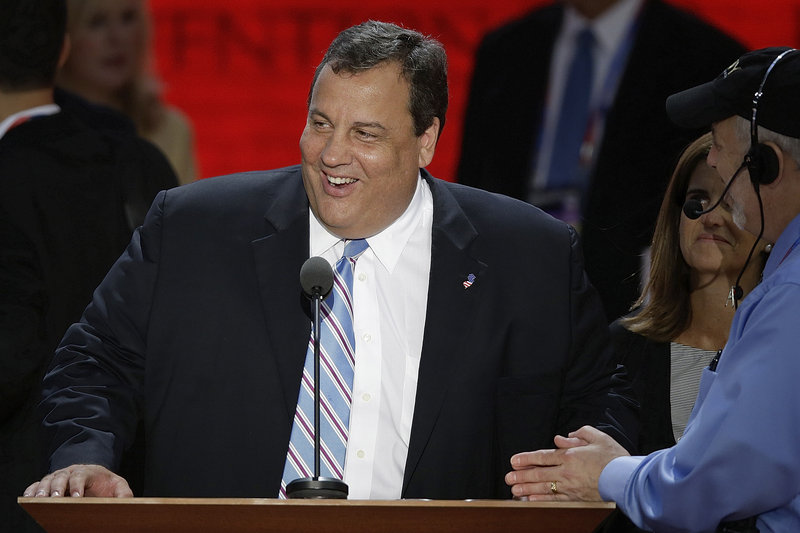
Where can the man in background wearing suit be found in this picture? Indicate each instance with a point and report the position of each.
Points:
(602, 162)
(475, 331)
(70, 197)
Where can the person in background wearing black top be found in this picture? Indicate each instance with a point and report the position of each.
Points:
(110, 64)
(70, 197)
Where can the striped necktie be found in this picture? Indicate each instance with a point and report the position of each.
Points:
(337, 359)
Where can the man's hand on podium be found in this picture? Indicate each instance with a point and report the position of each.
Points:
(80, 480)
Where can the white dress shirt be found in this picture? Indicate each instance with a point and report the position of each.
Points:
(390, 293)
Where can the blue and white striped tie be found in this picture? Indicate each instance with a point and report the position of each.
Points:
(337, 359)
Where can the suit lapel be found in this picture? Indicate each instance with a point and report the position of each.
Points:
(278, 257)
(451, 265)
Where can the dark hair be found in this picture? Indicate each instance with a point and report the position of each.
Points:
(422, 60)
(665, 306)
(31, 38)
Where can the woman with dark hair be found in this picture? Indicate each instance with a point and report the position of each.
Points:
(682, 318)
(684, 313)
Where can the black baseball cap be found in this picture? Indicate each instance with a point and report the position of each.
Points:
(733, 91)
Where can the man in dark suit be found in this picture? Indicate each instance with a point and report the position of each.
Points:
(629, 145)
(70, 197)
(476, 332)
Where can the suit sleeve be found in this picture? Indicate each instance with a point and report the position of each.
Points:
(596, 390)
(93, 392)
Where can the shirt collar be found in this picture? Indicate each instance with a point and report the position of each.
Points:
(39, 111)
(386, 245)
(609, 28)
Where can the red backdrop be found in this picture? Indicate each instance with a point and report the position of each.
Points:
(241, 69)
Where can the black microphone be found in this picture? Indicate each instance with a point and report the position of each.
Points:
(693, 208)
(316, 279)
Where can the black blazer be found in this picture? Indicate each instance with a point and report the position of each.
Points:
(201, 328)
(672, 51)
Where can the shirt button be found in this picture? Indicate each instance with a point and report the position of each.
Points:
(360, 454)
(367, 337)
(362, 277)
(366, 397)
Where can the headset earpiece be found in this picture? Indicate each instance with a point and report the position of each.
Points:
(762, 164)
(761, 160)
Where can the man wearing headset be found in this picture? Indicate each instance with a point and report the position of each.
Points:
(737, 467)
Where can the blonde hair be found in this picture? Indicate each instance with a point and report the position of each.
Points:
(141, 98)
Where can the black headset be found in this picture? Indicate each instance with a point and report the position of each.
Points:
(761, 160)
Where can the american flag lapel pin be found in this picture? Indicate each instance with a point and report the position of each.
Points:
(469, 281)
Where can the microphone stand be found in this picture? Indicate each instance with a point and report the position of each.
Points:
(317, 487)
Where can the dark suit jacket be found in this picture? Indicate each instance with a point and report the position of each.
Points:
(671, 52)
(70, 198)
(202, 327)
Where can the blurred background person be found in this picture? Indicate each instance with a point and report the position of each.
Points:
(683, 316)
(600, 162)
(110, 64)
(70, 197)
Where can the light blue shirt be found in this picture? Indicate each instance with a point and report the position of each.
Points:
(740, 454)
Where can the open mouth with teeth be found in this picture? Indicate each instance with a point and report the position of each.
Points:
(336, 181)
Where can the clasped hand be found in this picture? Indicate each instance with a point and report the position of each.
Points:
(570, 472)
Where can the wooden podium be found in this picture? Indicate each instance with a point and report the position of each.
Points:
(211, 515)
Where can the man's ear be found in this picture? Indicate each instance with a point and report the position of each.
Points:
(427, 143)
(65, 48)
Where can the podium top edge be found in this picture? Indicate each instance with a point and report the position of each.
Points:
(302, 503)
